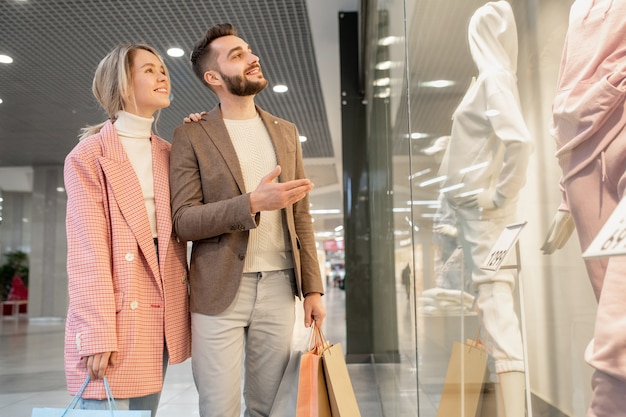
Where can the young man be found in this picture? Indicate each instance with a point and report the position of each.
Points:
(239, 192)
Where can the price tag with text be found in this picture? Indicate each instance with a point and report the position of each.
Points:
(503, 245)
(611, 239)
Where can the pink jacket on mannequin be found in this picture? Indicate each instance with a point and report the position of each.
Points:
(588, 112)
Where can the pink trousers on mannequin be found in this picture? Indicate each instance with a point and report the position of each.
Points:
(592, 195)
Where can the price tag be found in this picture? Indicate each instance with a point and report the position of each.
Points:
(611, 240)
(503, 245)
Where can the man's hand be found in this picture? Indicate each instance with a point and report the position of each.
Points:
(194, 117)
(270, 195)
(560, 230)
(97, 364)
(314, 310)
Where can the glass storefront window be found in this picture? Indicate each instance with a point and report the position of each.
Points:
(429, 66)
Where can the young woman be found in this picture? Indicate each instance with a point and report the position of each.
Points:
(128, 311)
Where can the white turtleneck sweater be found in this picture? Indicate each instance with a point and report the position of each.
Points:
(267, 245)
(134, 133)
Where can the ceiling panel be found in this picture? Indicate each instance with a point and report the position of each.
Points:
(57, 44)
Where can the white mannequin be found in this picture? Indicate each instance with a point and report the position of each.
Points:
(489, 136)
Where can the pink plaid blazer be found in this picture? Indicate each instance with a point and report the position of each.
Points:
(121, 297)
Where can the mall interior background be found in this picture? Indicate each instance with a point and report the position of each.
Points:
(403, 43)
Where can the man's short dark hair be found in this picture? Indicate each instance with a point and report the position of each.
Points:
(201, 57)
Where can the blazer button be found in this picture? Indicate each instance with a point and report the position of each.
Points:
(134, 305)
(184, 280)
(129, 257)
(241, 257)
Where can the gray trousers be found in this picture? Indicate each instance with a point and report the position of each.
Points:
(254, 331)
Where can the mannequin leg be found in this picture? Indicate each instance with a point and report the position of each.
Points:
(607, 352)
(496, 310)
(593, 194)
(503, 337)
(511, 394)
(499, 321)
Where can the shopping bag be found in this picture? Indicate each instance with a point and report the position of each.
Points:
(287, 394)
(302, 390)
(465, 376)
(312, 393)
(71, 411)
(340, 392)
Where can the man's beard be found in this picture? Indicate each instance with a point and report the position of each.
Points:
(240, 86)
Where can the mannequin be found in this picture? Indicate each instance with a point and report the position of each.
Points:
(490, 137)
(588, 123)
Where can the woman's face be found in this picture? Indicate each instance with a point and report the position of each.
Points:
(150, 90)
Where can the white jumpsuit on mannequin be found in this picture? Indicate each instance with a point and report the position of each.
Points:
(488, 152)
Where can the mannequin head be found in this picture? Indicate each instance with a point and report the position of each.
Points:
(492, 37)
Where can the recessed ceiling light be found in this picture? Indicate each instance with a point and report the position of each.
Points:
(382, 82)
(0, 101)
(437, 83)
(325, 211)
(383, 93)
(175, 52)
(280, 88)
(384, 65)
(302, 138)
(389, 40)
(419, 135)
(5, 59)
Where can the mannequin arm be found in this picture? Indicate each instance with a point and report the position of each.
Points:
(560, 230)
(446, 230)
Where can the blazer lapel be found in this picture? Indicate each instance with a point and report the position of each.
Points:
(160, 166)
(216, 131)
(126, 188)
(283, 144)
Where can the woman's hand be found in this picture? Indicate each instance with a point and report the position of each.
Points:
(97, 364)
(194, 117)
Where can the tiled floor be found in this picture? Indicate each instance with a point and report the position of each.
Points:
(31, 367)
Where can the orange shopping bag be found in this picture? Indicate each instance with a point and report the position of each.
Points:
(302, 391)
(312, 393)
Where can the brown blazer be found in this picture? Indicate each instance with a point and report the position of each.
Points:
(121, 298)
(211, 207)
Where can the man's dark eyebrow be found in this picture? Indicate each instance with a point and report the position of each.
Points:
(237, 48)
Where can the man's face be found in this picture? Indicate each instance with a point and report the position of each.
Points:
(238, 67)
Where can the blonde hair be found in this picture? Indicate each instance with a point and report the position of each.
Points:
(112, 82)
